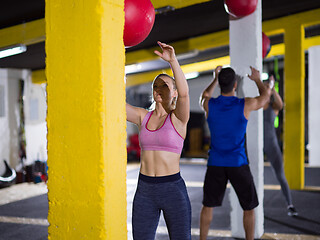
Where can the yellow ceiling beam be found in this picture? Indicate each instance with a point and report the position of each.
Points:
(38, 76)
(26, 33)
(312, 41)
(278, 25)
(34, 32)
(206, 65)
(204, 42)
(175, 3)
(219, 39)
(306, 19)
(141, 78)
(276, 50)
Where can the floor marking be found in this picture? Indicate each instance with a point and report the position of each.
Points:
(27, 190)
(21, 191)
(132, 166)
(227, 233)
(203, 161)
(200, 185)
(312, 188)
(132, 181)
(284, 236)
(163, 230)
(21, 220)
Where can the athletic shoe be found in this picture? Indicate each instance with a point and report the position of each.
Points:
(292, 211)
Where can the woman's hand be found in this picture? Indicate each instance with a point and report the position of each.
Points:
(271, 83)
(167, 54)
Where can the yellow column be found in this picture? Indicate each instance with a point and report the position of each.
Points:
(86, 119)
(294, 111)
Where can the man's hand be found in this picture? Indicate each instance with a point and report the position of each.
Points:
(255, 74)
(217, 70)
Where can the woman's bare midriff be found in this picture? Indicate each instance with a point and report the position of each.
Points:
(159, 163)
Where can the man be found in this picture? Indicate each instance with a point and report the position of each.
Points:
(227, 118)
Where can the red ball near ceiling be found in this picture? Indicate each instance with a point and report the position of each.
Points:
(139, 19)
(240, 8)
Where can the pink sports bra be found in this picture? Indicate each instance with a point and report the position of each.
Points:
(165, 138)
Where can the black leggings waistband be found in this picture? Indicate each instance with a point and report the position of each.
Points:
(162, 179)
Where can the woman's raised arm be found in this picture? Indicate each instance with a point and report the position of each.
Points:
(182, 111)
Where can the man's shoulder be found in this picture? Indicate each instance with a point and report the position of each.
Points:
(248, 100)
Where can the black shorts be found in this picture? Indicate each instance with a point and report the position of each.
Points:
(241, 179)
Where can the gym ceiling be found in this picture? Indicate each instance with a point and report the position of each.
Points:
(176, 21)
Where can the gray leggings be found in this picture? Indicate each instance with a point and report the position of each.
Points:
(274, 156)
(167, 194)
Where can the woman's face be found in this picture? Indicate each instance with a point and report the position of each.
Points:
(163, 90)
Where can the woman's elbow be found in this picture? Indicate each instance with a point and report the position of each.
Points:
(281, 106)
(184, 94)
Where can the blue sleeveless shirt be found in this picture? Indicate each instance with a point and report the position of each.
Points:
(227, 125)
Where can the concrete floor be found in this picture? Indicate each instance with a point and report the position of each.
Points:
(24, 208)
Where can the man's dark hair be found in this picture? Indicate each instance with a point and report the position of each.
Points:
(227, 79)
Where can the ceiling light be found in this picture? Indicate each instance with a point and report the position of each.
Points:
(192, 75)
(133, 68)
(12, 50)
(188, 55)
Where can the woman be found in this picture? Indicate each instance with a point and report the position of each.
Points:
(162, 132)
(272, 148)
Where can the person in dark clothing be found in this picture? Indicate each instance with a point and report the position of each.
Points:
(227, 117)
(272, 148)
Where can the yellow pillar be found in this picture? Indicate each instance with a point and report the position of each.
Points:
(86, 119)
(294, 111)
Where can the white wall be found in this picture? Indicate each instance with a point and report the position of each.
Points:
(4, 120)
(14, 77)
(196, 87)
(35, 118)
(35, 121)
(35, 113)
(14, 120)
(314, 103)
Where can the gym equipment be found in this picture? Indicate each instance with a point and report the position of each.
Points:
(9, 177)
(139, 19)
(133, 150)
(266, 47)
(240, 8)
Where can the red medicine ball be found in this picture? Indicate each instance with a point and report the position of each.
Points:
(240, 8)
(139, 19)
(266, 47)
